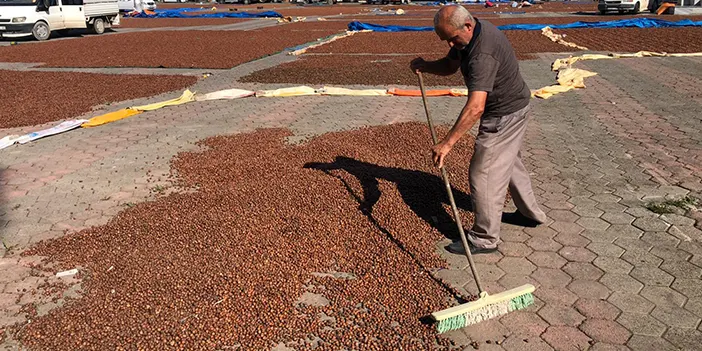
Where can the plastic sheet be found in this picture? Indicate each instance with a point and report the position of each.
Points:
(177, 13)
(643, 22)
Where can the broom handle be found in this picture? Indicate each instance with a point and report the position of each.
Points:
(444, 175)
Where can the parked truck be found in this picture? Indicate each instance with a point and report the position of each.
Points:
(39, 18)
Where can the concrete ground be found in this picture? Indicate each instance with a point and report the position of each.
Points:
(610, 274)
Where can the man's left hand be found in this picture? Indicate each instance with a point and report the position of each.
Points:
(439, 152)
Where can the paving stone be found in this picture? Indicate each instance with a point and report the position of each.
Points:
(660, 238)
(633, 244)
(686, 339)
(650, 343)
(543, 244)
(589, 289)
(618, 218)
(678, 219)
(571, 239)
(641, 324)
(541, 231)
(605, 330)
(515, 249)
(583, 270)
(7, 300)
(520, 343)
(652, 276)
(558, 296)
(681, 269)
(587, 211)
(454, 277)
(558, 205)
(566, 338)
(583, 201)
(577, 254)
(516, 265)
(491, 330)
(649, 224)
(563, 216)
(512, 280)
(599, 236)
(597, 309)
(595, 224)
(694, 305)
(566, 228)
(602, 198)
(601, 346)
(670, 253)
(561, 315)
(693, 248)
(613, 265)
(642, 259)
(631, 303)
(516, 236)
(458, 336)
(675, 317)
(663, 296)
(524, 323)
(547, 259)
(624, 231)
(488, 258)
(640, 212)
(687, 287)
(489, 272)
(551, 278)
(605, 249)
(611, 207)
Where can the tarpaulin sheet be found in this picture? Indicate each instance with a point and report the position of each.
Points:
(642, 22)
(352, 92)
(428, 93)
(228, 94)
(110, 117)
(187, 96)
(181, 14)
(568, 79)
(59, 128)
(559, 63)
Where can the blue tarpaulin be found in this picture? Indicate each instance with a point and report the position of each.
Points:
(180, 14)
(643, 22)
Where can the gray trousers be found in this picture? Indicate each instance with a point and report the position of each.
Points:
(496, 165)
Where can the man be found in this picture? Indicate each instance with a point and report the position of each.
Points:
(499, 97)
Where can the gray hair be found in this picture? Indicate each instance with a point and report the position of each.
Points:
(456, 18)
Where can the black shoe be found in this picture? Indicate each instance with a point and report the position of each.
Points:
(519, 219)
(456, 247)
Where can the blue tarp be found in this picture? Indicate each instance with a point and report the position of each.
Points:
(180, 14)
(642, 22)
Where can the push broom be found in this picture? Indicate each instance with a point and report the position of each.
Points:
(487, 306)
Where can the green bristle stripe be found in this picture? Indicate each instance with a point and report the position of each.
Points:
(482, 314)
(521, 302)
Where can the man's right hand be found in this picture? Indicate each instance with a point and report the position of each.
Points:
(418, 64)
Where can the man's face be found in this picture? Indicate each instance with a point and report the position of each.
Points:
(455, 37)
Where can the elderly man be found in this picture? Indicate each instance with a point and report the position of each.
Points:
(499, 97)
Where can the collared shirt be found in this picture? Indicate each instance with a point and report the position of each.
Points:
(488, 63)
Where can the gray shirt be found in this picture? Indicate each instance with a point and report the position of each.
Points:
(489, 64)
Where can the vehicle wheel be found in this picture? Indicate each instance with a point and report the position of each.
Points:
(41, 31)
(246, 2)
(98, 26)
(637, 8)
(603, 12)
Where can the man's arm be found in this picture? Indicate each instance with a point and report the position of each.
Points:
(442, 67)
(470, 114)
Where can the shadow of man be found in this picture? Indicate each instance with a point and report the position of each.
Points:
(423, 192)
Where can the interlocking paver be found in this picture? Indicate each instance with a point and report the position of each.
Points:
(694, 305)
(589, 289)
(618, 218)
(613, 265)
(675, 317)
(652, 276)
(519, 343)
(631, 302)
(599, 236)
(681, 269)
(543, 244)
(642, 324)
(566, 228)
(516, 265)
(566, 338)
(605, 249)
(524, 323)
(650, 224)
(624, 231)
(559, 296)
(597, 309)
(595, 224)
(514, 249)
(551, 278)
(650, 343)
(686, 339)
(660, 238)
(490, 330)
(583, 270)
(577, 254)
(670, 253)
(688, 287)
(563, 216)
(546, 259)
(561, 315)
(587, 211)
(605, 330)
(642, 258)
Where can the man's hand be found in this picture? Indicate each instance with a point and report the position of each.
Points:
(439, 152)
(418, 65)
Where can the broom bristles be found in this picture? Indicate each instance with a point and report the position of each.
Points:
(483, 313)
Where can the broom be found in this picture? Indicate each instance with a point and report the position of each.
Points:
(487, 306)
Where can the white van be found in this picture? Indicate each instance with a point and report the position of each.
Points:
(135, 5)
(633, 6)
(39, 18)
